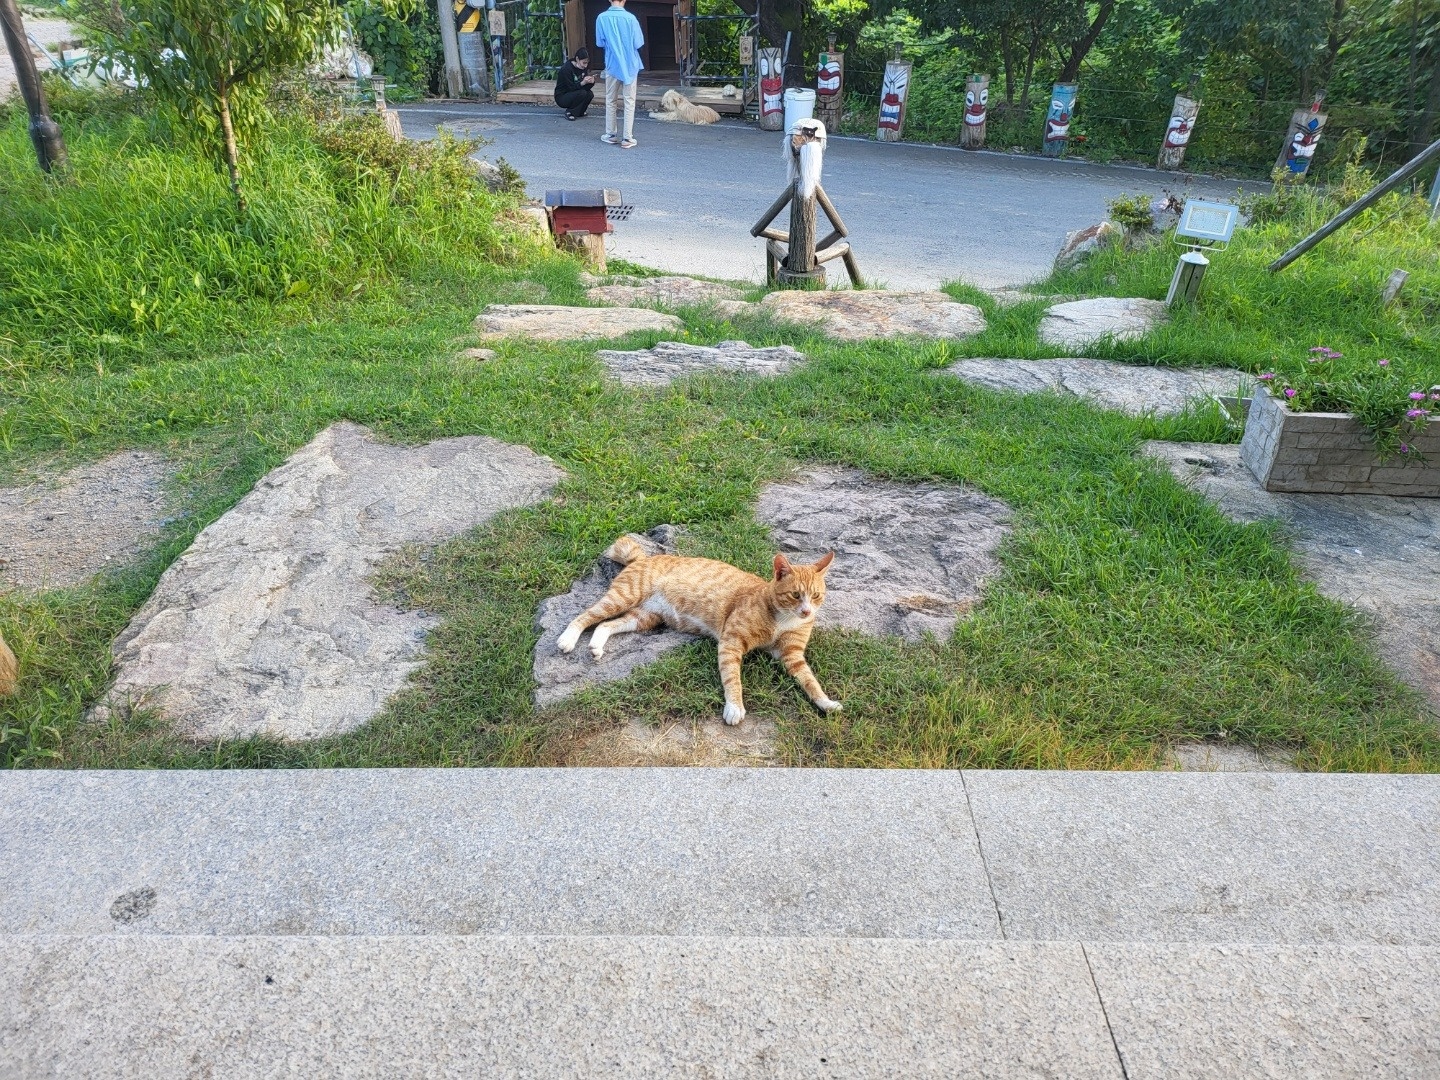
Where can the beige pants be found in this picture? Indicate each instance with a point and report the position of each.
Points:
(613, 89)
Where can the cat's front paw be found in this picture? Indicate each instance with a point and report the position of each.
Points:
(569, 639)
(734, 714)
(828, 705)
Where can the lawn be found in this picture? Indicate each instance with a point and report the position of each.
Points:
(1129, 614)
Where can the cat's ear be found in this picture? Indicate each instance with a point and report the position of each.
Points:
(782, 566)
(823, 562)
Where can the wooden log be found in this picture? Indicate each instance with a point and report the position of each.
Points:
(835, 251)
(893, 92)
(801, 258)
(1301, 140)
(776, 234)
(830, 87)
(830, 239)
(1058, 120)
(772, 90)
(1177, 132)
(977, 109)
(853, 269)
(774, 211)
(830, 211)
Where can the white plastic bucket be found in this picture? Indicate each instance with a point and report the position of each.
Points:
(799, 105)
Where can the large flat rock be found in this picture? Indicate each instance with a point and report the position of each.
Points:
(684, 852)
(858, 315)
(669, 291)
(1378, 553)
(910, 559)
(670, 360)
(1081, 323)
(553, 322)
(267, 625)
(1129, 388)
(99, 516)
(547, 1008)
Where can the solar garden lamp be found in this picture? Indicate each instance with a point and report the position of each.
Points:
(1203, 226)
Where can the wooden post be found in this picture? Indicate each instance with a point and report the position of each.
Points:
(1177, 132)
(1185, 285)
(772, 90)
(1301, 139)
(44, 132)
(1059, 118)
(685, 38)
(830, 87)
(575, 36)
(450, 46)
(893, 92)
(800, 269)
(977, 109)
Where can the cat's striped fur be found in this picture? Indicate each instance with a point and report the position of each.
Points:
(740, 610)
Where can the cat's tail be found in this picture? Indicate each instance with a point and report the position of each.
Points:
(626, 550)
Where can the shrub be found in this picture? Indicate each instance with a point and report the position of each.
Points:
(1133, 213)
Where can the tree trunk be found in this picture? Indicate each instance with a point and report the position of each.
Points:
(1029, 68)
(44, 132)
(778, 18)
(1005, 47)
(1080, 49)
(232, 152)
(1426, 130)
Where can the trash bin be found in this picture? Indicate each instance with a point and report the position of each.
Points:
(799, 105)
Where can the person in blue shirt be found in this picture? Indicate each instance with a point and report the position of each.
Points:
(618, 33)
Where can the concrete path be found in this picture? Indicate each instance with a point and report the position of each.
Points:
(721, 922)
(919, 216)
(50, 33)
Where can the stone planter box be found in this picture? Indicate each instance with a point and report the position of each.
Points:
(1330, 453)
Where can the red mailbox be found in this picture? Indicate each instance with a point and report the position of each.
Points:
(582, 211)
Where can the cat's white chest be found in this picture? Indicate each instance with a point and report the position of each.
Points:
(785, 621)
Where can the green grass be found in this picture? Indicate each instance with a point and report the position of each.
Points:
(1129, 613)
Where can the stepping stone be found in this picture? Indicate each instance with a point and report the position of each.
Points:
(1128, 388)
(909, 559)
(670, 360)
(671, 292)
(1081, 323)
(92, 518)
(1006, 298)
(551, 322)
(1377, 553)
(266, 624)
(712, 742)
(858, 315)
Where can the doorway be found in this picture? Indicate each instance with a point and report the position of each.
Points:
(660, 40)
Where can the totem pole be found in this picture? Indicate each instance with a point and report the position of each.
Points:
(977, 106)
(795, 259)
(893, 92)
(772, 90)
(830, 87)
(1058, 120)
(1301, 139)
(1177, 132)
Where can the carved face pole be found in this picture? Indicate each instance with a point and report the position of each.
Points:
(893, 92)
(1301, 141)
(829, 82)
(977, 108)
(1178, 131)
(772, 90)
(1059, 118)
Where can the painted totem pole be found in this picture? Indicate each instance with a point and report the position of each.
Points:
(893, 92)
(977, 107)
(830, 87)
(1302, 139)
(1177, 132)
(772, 90)
(1059, 118)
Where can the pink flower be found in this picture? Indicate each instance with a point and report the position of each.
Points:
(1383, 363)
(1435, 397)
(1415, 414)
(1289, 393)
(1319, 348)
(1267, 376)
(1404, 448)
(1416, 395)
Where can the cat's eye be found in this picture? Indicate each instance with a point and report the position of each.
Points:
(794, 596)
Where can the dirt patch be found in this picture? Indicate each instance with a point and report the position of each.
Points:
(706, 742)
(99, 516)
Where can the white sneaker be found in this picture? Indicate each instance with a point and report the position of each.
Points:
(629, 144)
(608, 138)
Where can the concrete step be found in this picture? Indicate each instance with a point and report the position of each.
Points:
(181, 1006)
(1135, 857)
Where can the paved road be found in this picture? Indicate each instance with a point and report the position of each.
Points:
(918, 215)
(50, 32)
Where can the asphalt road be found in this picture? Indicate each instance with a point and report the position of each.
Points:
(918, 216)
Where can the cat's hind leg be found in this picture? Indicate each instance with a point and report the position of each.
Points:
(636, 621)
(620, 599)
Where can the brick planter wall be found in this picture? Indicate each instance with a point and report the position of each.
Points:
(1330, 453)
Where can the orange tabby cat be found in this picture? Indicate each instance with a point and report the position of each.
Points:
(741, 611)
(9, 669)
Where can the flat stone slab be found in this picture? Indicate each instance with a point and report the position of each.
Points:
(1128, 388)
(1228, 757)
(92, 518)
(910, 559)
(547, 1008)
(267, 625)
(858, 315)
(1378, 553)
(552, 322)
(1234, 857)
(1081, 323)
(670, 360)
(1268, 1012)
(671, 292)
(684, 852)
(558, 675)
